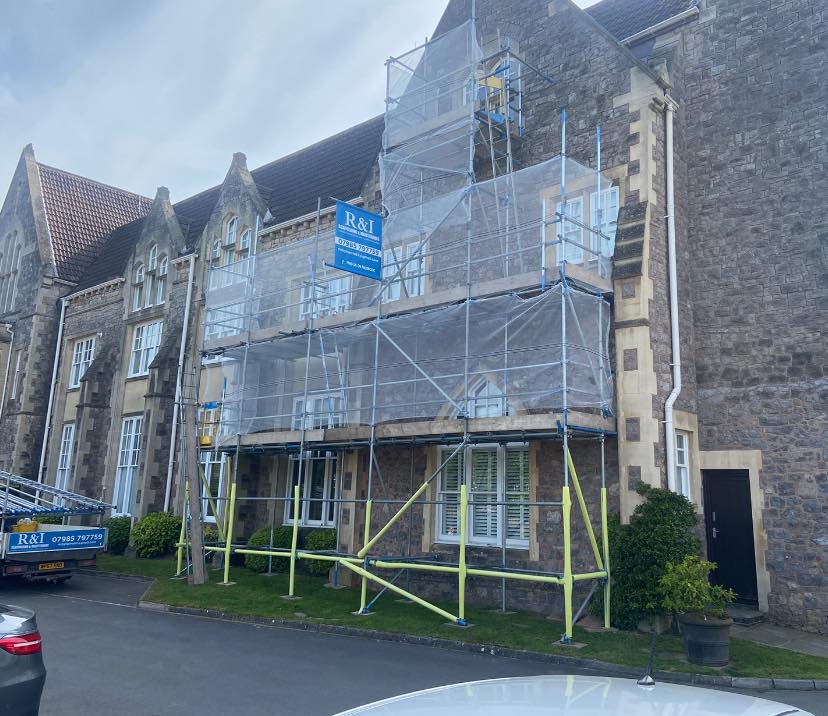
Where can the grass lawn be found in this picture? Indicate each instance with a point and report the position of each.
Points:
(255, 594)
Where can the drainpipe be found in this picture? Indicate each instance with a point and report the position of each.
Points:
(669, 432)
(182, 351)
(10, 329)
(47, 429)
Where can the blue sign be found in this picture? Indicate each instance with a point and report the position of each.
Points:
(56, 540)
(358, 241)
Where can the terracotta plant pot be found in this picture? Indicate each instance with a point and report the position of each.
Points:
(707, 639)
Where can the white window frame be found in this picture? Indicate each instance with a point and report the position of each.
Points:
(328, 411)
(15, 386)
(210, 462)
(146, 339)
(221, 322)
(607, 226)
(244, 241)
(83, 353)
(164, 266)
(152, 258)
(412, 262)
(464, 461)
(330, 488)
(682, 462)
(333, 296)
(487, 400)
(138, 288)
(232, 231)
(215, 250)
(571, 235)
(126, 472)
(63, 473)
(160, 290)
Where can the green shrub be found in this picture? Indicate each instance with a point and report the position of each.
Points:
(49, 520)
(211, 535)
(156, 534)
(660, 532)
(117, 538)
(686, 588)
(282, 538)
(319, 540)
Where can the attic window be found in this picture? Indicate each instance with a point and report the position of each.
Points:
(244, 242)
(152, 258)
(232, 229)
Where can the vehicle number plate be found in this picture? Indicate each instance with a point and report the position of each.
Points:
(43, 566)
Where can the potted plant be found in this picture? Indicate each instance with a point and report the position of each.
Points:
(700, 609)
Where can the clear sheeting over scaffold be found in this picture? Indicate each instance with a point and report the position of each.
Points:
(514, 354)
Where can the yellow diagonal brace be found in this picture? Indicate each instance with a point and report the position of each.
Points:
(580, 495)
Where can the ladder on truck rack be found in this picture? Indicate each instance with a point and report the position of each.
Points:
(21, 497)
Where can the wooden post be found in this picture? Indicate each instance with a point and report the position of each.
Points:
(199, 572)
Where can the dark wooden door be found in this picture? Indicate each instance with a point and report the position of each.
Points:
(729, 525)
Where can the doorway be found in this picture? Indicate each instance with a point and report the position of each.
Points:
(729, 528)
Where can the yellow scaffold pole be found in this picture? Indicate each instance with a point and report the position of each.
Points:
(464, 508)
(228, 545)
(363, 597)
(567, 576)
(182, 534)
(294, 540)
(585, 514)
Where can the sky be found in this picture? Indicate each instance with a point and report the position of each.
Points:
(142, 93)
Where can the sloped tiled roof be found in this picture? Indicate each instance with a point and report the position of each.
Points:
(81, 214)
(624, 18)
(335, 167)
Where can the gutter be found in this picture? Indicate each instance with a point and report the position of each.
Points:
(10, 329)
(675, 338)
(47, 428)
(660, 27)
(182, 351)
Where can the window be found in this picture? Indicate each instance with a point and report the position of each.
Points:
(232, 228)
(244, 242)
(82, 355)
(498, 480)
(215, 250)
(215, 470)
(127, 470)
(145, 341)
(161, 282)
(225, 321)
(324, 411)
(415, 269)
(317, 490)
(604, 219)
(412, 264)
(571, 233)
(7, 301)
(138, 289)
(15, 386)
(683, 463)
(486, 400)
(64, 467)
(152, 258)
(332, 296)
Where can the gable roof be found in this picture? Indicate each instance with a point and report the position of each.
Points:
(334, 167)
(81, 213)
(625, 18)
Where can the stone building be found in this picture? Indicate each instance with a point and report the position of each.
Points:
(111, 298)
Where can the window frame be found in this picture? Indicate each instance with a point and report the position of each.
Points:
(83, 353)
(312, 419)
(207, 461)
(231, 231)
(609, 198)
(129, 449)
(146, 353)
(570, 248)
(501, 494)
(138, 288)
(329, 303)
(16, 388)
(152, 257)
(330, 490)
(63, 471)
(682, 462)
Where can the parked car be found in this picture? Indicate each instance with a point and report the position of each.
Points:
(570, 695)
(22, 672)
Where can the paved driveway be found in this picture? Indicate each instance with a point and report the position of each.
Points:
(105, 656)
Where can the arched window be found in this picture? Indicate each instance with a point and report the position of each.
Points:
(10, 299)
(215, 250)
(244, 242)
(232, 229)
(152, 258)
(486, 400)
(161, 281)
(138, 288)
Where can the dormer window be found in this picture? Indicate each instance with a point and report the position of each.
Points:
(152, 258)
(486, 400)
(232, 229)
(244, 242)
(138, 289)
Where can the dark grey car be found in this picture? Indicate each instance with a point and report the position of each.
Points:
(22, 672)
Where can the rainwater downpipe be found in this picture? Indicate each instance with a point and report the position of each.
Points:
(182, 352)
(10, 329)
(669, 432)
(47, 428)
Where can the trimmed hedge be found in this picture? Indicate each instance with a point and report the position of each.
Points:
(156, 534)
(319, 540)
(282, 538)
(117, 538)
(49, 520)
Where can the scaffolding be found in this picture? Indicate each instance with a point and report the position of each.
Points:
(491, 321)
